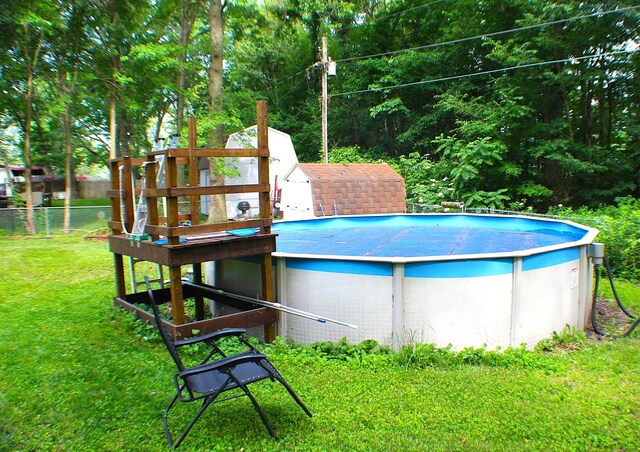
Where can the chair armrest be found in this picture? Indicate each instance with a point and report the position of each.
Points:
(212, 337)
(222, 364)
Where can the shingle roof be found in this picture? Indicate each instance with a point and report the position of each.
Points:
(355, 188)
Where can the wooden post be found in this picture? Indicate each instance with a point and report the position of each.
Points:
(194, 179)
(171, 169)
(325, 101)
(175, 288)
(268, 294)
(129, 194)
(121, 289)
(175, 271)
(152, 203)
(263, 165)
(197, 279)
(193, 171)
(114, 170)
(265, 211)
(118, 262)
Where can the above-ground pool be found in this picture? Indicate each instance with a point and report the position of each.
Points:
(459, 279)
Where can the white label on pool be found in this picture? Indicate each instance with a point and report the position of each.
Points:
(574, 278)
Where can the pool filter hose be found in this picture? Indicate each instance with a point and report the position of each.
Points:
(598, 331)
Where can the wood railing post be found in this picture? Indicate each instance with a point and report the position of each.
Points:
(265, 210)
(127, 183)
(152, 203)
(194, 175)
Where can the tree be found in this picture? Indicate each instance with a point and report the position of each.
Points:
(24, 43)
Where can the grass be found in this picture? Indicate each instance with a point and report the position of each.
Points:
(79, 375)
(82, 202)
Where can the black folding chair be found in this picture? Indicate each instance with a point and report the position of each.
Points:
(207, 380)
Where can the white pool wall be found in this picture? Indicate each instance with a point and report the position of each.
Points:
(493, 300)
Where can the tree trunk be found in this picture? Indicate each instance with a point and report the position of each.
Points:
(68, 169)
(217, 204)
(28, 98)
(30, 223)
(189, 11)
(113, 147)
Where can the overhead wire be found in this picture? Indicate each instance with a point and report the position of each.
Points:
(493, 71)
(488, 35)
(397, 13)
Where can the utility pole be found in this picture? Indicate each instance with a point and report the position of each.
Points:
(325, 100)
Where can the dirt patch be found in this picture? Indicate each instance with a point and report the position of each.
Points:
(609, 318)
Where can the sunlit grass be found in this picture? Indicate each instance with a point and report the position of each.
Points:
(78, 375)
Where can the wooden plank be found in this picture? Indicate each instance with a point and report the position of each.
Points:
(181, 231)
(206, 153)
(192, 252)
(244, 319)
(208, 190)
(135, 161)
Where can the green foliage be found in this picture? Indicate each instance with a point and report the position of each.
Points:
(568, 339)
(619, 228)
(503, 118)
(347, 154)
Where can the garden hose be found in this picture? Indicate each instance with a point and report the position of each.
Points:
(598, 331)
(613, 289)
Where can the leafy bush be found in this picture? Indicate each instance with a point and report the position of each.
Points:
(619, 227)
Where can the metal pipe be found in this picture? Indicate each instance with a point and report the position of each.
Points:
(273, 305)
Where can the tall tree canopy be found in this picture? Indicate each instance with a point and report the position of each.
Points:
(498, 103)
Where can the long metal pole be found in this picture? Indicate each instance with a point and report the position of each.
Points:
(277, 306)
(325, 101)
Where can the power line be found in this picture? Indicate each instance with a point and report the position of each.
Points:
(494, 71)
(380, 18)
(487, 35)
(397, 13)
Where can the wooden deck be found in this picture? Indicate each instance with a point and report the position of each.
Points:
(178, 239)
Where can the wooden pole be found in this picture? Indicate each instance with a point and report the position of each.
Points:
(325, 101)
(195, 209)
(265, 212)
(193, 171)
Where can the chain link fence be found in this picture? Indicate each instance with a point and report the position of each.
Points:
(50, 220)
(461, 208)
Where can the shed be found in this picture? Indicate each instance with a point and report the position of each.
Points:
(320, 189)
(282, 159)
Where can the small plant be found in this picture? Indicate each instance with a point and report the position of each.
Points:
(570, 338)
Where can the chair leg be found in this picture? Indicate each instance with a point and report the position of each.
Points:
(205, 404)
(166, 421)
(256, 406)
(293, 394)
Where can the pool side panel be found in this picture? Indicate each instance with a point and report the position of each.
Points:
(361, 299)
(461, 311)
(549, 296)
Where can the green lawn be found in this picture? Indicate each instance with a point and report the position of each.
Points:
(77, 375)
(82, 202)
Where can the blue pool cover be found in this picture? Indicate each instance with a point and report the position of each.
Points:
(421, 235)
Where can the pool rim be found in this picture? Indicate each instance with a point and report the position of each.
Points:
(588, 238)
